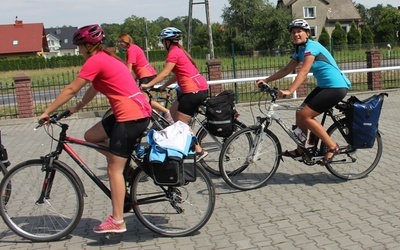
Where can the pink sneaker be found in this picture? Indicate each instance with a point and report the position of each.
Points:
(168, 117)
(109, 226)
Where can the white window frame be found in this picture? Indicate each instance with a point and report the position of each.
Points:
(306, 12)
(15, 42)
(346, 27)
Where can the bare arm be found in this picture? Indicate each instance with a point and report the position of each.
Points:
(87, 97)
(302, 74)
(161, 76)
(66, 94)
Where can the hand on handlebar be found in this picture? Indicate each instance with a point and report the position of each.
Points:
(43, 119)
(260, 82)
(144, 86)
(283, 93)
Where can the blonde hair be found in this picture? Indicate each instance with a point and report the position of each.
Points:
(184, 51)
(126, 38)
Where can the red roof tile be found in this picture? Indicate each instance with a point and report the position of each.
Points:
(22, 38)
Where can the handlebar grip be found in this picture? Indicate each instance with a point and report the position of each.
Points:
(64, 114)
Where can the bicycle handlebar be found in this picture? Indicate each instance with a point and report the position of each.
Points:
(54, 118)
(272, 91)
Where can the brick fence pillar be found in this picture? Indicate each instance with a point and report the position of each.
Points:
(302, 89)
(374, 61)
(23, 92)
(214, 73)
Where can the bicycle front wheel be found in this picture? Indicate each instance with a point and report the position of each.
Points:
(173, 211)
(247, 166)
(40, 218)
(213, 145)
(352, 163)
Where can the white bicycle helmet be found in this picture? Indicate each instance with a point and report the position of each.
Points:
(171, 33)
(300, 23)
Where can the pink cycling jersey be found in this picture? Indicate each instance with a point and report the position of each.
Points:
(140, 65)
(187, 75)
(112, 78)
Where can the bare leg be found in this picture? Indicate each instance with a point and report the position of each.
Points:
(115, 169)
(305, 119)
(97, 134)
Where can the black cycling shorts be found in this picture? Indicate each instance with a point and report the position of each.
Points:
(321, 100)
(189, 103)
(124, 135)
(146, 80)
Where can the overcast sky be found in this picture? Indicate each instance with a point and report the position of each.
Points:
(81, 12)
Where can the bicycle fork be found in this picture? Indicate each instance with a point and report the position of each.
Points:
(257, 146)
(48, 179)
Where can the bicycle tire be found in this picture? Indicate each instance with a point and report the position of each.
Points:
(210, 163)
(7, 192)
(248, 173)
(50, 221)
(173, 211)
(350, 163)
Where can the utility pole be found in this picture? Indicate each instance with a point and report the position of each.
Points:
(210, 38)
(146, 40)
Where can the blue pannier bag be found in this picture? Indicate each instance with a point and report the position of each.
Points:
(362, 119)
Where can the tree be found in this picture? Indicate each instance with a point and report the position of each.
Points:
(339, 37)
(389, 24)
(354, 36)
(239, 19)
(256, 24)
(111, 31)
(367, 37)
(324, 38)
(271, 28)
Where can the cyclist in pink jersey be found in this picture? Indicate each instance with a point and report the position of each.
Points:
(131, 111)
(193, 86)
(138, 64)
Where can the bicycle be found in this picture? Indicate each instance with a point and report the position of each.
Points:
(254, 165)
(4, 164)
(210, 143)
(46, 201)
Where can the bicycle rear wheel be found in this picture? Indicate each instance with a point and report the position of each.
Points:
(50, 220)
(3, 172)
(352, 163)
(173, 211)
(213, 145)
(238, 165)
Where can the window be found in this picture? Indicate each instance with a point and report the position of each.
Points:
(66, 40)
(309, 12)
(15, 42)
(313, 31)
(346, 28)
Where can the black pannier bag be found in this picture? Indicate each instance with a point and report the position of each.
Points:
(220, 112)
(189, 166)
(173, 171)
(362, 118)
(169, 172)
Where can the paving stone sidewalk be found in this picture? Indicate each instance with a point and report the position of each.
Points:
(302, 207)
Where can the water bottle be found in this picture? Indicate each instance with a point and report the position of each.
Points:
(300, 135)
(140, 150)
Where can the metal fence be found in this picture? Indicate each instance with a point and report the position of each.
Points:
(241, 65)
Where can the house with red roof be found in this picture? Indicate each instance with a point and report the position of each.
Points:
(22, 40)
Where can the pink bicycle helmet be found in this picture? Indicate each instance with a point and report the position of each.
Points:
(88, 34)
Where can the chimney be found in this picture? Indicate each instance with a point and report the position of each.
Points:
(18, 23)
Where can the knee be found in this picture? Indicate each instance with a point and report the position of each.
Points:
(300, 115)
(90, 137)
